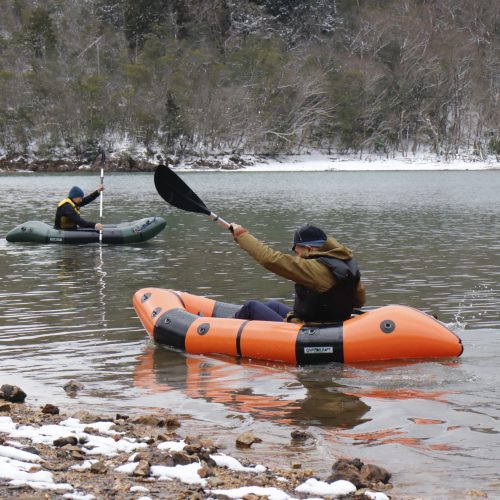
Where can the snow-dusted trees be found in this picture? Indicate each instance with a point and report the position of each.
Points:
(429, 75)
(250, 75)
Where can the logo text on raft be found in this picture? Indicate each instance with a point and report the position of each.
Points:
(318, 350)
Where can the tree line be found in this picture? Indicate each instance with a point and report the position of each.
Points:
(176, 77)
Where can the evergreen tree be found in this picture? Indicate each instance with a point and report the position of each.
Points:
(39, 33)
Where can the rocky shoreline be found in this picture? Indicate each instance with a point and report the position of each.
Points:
(48, 452)
(123, 163)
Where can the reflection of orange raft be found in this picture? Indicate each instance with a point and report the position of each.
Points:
(200, 325)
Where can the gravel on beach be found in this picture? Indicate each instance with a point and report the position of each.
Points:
(47, 453)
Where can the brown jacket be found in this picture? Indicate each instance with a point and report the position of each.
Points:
(306, 271)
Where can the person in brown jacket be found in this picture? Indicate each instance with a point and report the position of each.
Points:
(327, 279)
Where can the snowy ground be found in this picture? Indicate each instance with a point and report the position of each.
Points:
(28, 452)
(320, 162)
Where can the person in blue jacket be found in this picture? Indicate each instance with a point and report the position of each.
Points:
(68, 210)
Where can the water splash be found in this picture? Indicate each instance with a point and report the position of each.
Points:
(473, 306)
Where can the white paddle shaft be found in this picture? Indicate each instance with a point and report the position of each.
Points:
(219, 220)
(100, 203)
(102, 182)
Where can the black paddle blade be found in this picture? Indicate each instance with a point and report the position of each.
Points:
(176, 192)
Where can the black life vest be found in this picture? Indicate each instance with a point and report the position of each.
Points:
(63, 222)
(335, 304)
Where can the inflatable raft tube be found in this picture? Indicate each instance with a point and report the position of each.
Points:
(117, 234)
(200, 325)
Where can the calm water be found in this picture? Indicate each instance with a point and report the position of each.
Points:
(429, 240)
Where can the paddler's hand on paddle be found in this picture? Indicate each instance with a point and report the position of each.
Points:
(237, 230)
(98, 227)
(100, 188)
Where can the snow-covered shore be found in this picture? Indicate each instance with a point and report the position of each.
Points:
(309, 162)
(321, 162)
(43, 453)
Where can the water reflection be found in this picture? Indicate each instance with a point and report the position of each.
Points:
(283, 394)
(101, 280)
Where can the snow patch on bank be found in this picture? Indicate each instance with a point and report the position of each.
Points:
(231, 463)
(337, 488)
(311, 486)
(22, 468)
(320, 162)
(259, 491)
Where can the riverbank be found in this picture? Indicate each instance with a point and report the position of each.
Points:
(304, 162)
(320, 162)
(83, 456)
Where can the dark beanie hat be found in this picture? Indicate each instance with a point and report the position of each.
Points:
(308, 235)
(75, 192)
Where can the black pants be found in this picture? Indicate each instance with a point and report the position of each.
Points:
(271, 310)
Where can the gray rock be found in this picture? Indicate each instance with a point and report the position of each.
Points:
(99, 467)
(73, 386)
(180, 458)
(348, 470)
(301, 435)
(13, 393)
(50, 409)
(246, 439)
(360, 474)
(60, 442)
(142, 469)
(375, 474)
(5, 408)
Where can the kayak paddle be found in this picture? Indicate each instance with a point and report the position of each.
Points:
(178, 194)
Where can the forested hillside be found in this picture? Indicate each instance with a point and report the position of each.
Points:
(249, 76)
